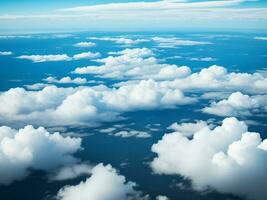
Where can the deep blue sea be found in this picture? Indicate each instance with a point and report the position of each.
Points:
(236, 51)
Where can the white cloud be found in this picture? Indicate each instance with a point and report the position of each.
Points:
(238, 104)
(71, 172)
(37, 86)
(188, 129)
(46, 58)
(86, 55)
(132, 133)
(204, 59)
(104, 183)
(119, 40)
(5, 53)
(260, 38)
(161, 197)
(134, 64)
(167, 42)
(217, 79)
(59, 57)
(84, 105)
(66, 79)
(221, 158)
(84, 44)
(33, 149)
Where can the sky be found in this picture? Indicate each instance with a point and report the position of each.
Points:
(133, 15)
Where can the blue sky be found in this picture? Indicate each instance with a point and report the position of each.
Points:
(119, 15)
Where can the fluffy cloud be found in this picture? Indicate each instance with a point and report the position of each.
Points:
(86, 55)
(37, 86)
(84, 105)
(59, 57)
(120, 40)
(237, 104)
(84, 44)
(104, 183)
(173, 42)
(188, 129)
(30, 148)
(218, 79)
(161, 197)
(221, 158)
(5, 53)
(71, 172)
(66, 79)
(134, 64)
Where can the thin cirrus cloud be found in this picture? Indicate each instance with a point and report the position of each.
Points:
(32, 148)
(59, 57)
(167, 14)
(234, 156)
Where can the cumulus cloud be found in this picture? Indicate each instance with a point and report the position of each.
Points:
(238, 104)
(104, 183)
(71, 172)
(134, 64)
(84, 44)
(59, 57)
(33, 149)
(84, 105)
(218, 79)
(220, 158)
(167, 42)
(66, 79)
(37, 86)
(5, 53)
(120, 40)
(188, 129)
(86, 55)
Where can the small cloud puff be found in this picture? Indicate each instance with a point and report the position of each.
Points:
(84, 44)
(5, 53)
(33, 149)
(219, 158)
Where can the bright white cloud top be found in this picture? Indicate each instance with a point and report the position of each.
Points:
(33, 149)
(104, 183)
(238, 104)
(221, 158)
(66, 79)
(84, 44)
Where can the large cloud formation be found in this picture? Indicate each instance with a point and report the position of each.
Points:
(134, 64)
(30, 148)
(228, 158)
(104, 183)
(83, 105)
